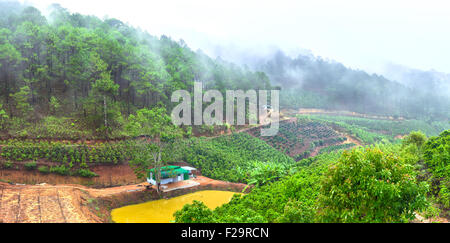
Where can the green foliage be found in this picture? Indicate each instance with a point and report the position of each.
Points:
(54, 104)
(292, 137)
(237, 158)
(55, 127)
(298, 212)
(417, 138)
(437, 158)
(86, 173)
(30, 165)
(263, 173)
(44, 169)
(290, 199)
(61, 170)
(161, 135)
(366, 185)
(21, 99)
(7, 164)
(65, 152)
(197, 212)
(331, 148)
(384, 126)
(154, 123)
(370, 186)
(3, 118)
(98, 71)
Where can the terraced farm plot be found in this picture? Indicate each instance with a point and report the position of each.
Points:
(388, 127)
(302, 138)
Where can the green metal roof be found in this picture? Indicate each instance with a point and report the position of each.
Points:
(169, 171)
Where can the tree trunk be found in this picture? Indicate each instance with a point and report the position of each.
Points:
(104, 111)
(157, 167)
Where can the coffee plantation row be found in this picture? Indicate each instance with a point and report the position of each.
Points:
(300, 138)
(66, 152)
(391, 128)
(236, 158)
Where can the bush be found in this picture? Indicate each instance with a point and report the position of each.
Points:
(30, 165)
(437, 159)
(62, 170)
(8, 164)
(197, 212)
(418, 138)
(371, 186)
(44, 169)
(86, 173)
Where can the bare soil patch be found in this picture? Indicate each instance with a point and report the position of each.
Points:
(109, 175)
(79, 204)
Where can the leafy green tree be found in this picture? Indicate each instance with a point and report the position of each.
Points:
(296, 211)
(23, 107)
(3, 117)
(103, 87)
(417, 138)
(10, 59)
(54, 104)
(100, 69)
(370, 186)
(197, 212)
(437, 158)
(160, 134)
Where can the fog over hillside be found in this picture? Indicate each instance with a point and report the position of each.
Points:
(257, 58)
(432, 81)
(59, 53)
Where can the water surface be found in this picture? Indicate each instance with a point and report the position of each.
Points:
(161, 211)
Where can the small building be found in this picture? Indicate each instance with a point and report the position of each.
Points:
(171, 174)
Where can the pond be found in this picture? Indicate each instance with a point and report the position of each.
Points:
(161, 211)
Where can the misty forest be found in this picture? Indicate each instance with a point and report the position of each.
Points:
(84, 98)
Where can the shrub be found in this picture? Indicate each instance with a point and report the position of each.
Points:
(371, 186)
(30, 165)
(197, 212)
(44, 169)
(86, 173)
(62, 170)
(437, 159)
(8, 164)
(418, 138)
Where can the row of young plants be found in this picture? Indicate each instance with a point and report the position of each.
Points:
(292, 136)
(332, 148)
(329, 141)
(48, 127)
(362, 133)
(65, 170)
(236, 158)
(66, 152)
(390, 127)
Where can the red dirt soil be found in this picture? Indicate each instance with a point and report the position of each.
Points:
(74, 203)
(109, 175)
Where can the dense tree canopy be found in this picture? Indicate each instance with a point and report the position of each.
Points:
(98, 71)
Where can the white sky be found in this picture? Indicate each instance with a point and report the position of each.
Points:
(360, 34)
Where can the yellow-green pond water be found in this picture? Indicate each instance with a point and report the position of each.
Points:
(161, 211)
